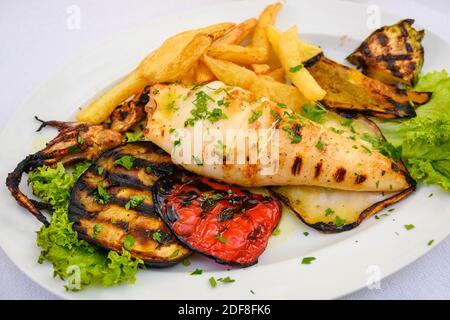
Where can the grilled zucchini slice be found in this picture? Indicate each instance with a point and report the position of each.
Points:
(349, 90)
(391, 54)
(332, 211)
(112, 206)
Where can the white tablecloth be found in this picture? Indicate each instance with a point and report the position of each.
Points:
(35, 40)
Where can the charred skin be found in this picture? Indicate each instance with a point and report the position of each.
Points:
(391, 54)
(154, 242)
(75, 142)
(349, 90)
(221, 221)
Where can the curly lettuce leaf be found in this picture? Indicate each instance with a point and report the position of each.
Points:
(60, 243)
(425, 139)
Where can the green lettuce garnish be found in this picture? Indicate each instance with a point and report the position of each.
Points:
(60, 243)
(425, 139)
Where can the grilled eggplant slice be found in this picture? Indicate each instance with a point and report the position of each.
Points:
(224, 222)
(391, 54)
(331, 210)
(348, 90)
(112, 204)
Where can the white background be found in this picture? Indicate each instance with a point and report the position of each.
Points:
(35, 41)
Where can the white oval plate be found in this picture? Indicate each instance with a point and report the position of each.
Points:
(344, 261)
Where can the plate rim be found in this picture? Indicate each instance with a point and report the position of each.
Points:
(22, 106)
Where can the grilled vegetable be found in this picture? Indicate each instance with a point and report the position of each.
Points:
(391, 54)
(112, 205)
(330, 210)
(349, 90)
(221, 221)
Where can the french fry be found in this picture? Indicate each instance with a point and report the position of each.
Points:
(203, 74)
(237, 34)
(238, 54)
(260, 68)
(179, 65)
(170, 61)
(236, 75)
(189, 78)
(266, 18)
(287, 48)
(99, 110)
(277, 74)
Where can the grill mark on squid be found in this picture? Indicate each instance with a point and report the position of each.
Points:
(318, 169)
(339, 175)
(297, 166)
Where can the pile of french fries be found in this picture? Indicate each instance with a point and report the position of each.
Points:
(270, 64)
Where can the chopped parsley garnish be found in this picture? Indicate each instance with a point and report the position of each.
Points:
(156, 236)
(297, 68)
(175, 253)
(134, 202)
(282, 105)
(196, 272)
(172, 106)
(252, 292)
(384, 147)
(186, 263)
(221, 102)
(276, 231)
(308, 260)
(125, 161)
(392, 209)
(226, 280)
(129, 242)
(430, 242)
(101, 195)
(306, 233)
(177, 142)
(366, 149)
(220, 238)
(197, 161)
(255, 115)
(133, 136)
(97, 229)
(212, 282)
(339, 222)
(198, 85)
(200, 111)
(320, 144)
(409, 226)
(314, 112)
(349, 124)
(216, 114)
(73, 149)
(430, 195)
(328, 211)
(80, 139)
(338, 131)
(100, 170)
(275, 115)
(295, 138)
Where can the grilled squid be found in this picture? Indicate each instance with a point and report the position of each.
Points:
(308, 153)
(75, 142)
